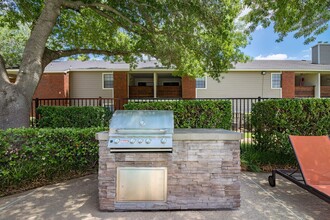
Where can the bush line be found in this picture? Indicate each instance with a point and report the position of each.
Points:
(29, 156)
(274, 120)
(72, 116)
(192, 113)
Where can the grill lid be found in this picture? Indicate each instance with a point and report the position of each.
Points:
(141, 131)
(139, 121)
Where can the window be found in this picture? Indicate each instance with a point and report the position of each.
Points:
(107, 80)
(142, 84)
(201, 83)
(276, 80)
(171, 83)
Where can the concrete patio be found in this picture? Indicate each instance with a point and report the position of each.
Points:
(78, 199)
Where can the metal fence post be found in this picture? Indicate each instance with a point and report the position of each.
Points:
(100, 101)
(36, 105)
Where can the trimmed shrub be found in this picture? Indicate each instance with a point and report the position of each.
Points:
(192, 113)
(274, 120)
(254, 160)
(33, 157)
(75, 117)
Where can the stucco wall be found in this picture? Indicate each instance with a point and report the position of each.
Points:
(240, 85)
(88, 85)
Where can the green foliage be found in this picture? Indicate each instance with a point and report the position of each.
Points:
(274, 120)
(197, 37)
(38, 156)
(75, 117)
(191, 113)
(12, 43)
(305, 18)
(256, 160)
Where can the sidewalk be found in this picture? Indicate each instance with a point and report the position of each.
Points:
(78, 199)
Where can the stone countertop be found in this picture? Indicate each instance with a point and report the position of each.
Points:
(194, 134)
(203, 134)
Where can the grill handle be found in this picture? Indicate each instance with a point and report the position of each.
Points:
(140, 131)
(136, 150)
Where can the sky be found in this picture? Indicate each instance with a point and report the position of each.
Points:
(263, 46)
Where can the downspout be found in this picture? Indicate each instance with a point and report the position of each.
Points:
(318, 86)
(155, 85)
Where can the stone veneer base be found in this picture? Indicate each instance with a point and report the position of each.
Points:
(201, 174)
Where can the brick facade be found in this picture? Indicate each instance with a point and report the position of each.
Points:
(120, 88)
(200, 175)
(53, 85)
(288, 84)
(188, 87)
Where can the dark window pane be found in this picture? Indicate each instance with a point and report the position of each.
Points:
(200, 82)
(276, 80)
(107, 81)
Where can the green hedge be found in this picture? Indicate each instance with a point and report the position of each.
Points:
(192, 113)
(32, 157)
(75, 117)
(274, 120)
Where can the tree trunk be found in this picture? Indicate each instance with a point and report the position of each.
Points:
(16, 98)
(14, 107)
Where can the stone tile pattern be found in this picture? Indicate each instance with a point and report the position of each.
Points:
(200, 175)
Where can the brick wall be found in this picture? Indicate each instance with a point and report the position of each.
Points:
(288, 84)
(188, 87)
(120, 88)
(200, 175)
(53, 85)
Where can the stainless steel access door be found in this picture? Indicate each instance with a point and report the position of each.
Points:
(141, 184)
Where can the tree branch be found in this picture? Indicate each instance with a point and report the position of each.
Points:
(31, 66)
(77, 5)
(3, 71)
(101, 13)
(53, 55)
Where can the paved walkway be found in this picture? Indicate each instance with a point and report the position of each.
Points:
(77, 199)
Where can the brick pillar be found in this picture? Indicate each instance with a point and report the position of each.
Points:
(52, 85)
(288, 84)
(66, 87)
(188, 87)
(120, 89)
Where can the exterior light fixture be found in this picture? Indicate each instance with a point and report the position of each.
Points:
(263, 73)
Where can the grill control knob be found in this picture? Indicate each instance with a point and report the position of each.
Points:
(116, 141)
(140, 141)
(148, 141)
(163, 140)
(132, 141)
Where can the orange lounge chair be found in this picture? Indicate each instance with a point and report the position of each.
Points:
(313, 174)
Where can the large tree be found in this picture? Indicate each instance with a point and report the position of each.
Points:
(195, 36)
(307, 18)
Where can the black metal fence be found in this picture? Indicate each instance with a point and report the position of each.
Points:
(241, 108)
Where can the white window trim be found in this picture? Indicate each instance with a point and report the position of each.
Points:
(103, 80)
(205, 82)
(271, 80)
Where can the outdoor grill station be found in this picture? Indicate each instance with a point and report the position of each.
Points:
(146, 164)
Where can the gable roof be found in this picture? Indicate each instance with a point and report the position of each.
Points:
(98, 65)
(255, 65)
(281, 65)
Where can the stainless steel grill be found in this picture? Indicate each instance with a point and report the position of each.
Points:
(141, 131)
